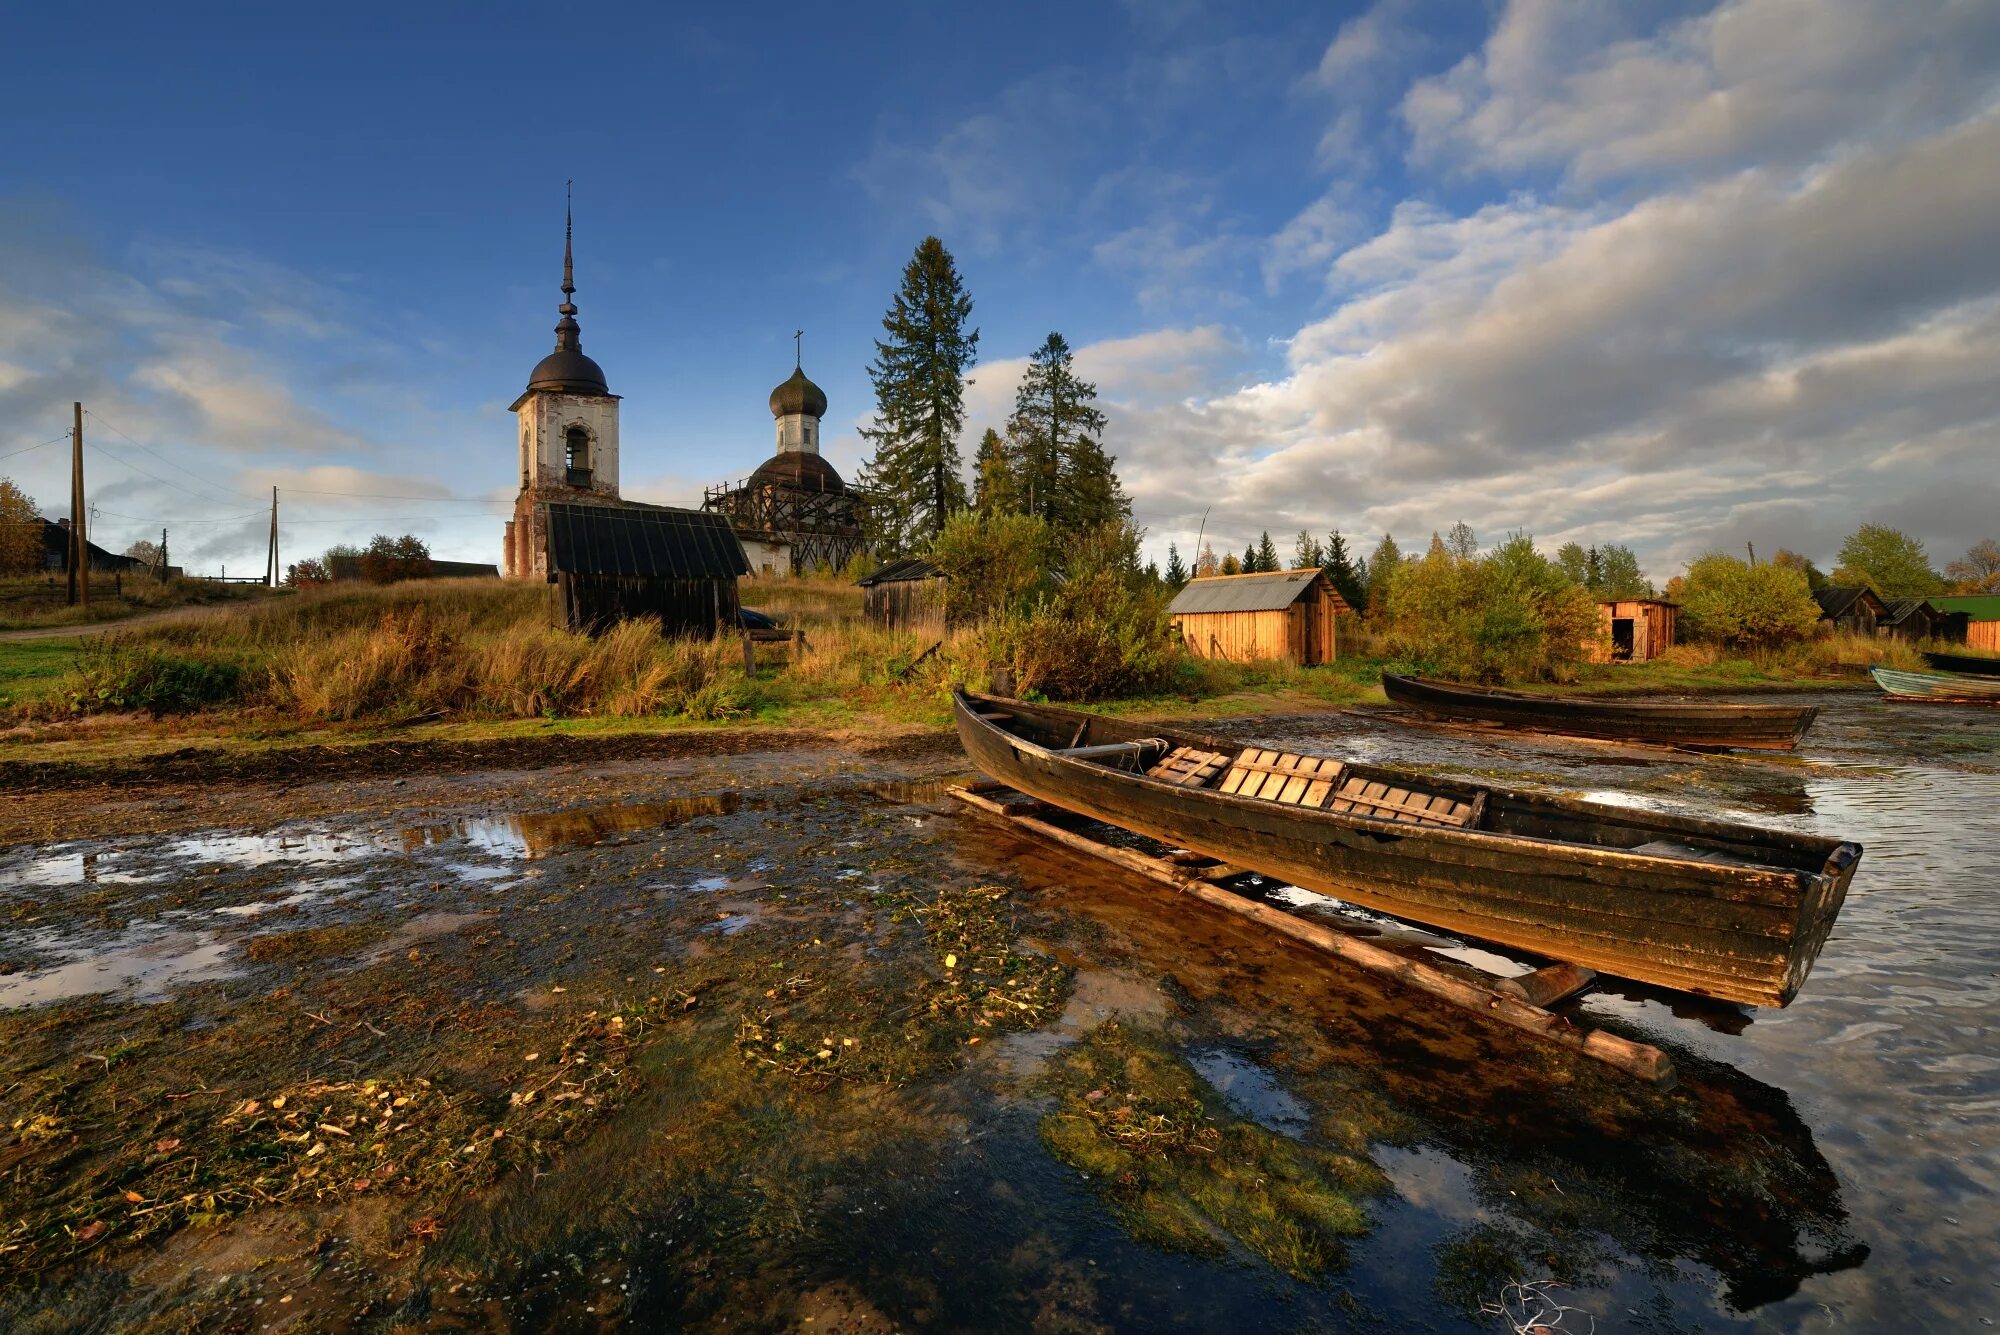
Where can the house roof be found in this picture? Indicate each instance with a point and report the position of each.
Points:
(1978, 606)
(898, 571)
(1901, 609)
(1838, 602)
(1264, 592)
(648, 541)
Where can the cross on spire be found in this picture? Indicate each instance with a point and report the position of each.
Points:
(798, 336)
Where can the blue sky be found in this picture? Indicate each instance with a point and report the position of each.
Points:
(1675, 275)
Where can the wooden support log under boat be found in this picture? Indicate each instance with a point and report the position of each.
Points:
(1637, 1059)
(1545, 987)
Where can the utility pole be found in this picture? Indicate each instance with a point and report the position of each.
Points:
(163, 556)
(79, 545)
(272, 574)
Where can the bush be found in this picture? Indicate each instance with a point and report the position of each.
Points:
(990, 562)
(1508, 616)
(1729, 602)
(114, 674)
(1104, 632)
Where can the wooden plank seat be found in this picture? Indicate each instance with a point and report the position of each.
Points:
(1279, 776)
(1409, 806)
(1189, 766)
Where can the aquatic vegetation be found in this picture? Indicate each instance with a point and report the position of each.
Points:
(1183, 1172)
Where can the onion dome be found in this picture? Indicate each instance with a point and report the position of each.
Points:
(796, 469)
(567, 370)
(798, 395)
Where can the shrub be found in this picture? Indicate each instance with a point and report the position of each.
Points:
(990, 562)
(1729, 602)
(1510, 615)
(115, 674)
(1105, 631)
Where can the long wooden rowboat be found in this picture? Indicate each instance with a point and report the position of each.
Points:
(1704, 906)
(1671, 722)
(1970, 665)
(1937, 688)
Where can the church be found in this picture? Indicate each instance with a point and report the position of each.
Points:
(610, 559)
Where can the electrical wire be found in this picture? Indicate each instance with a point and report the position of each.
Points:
(32, 448)
(215, 492)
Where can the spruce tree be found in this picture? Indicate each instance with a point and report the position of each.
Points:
(993, 476)
(1267, 554)
(1177, 574)
(1061, 473)
(1230, 565)
(1382, 568)
(1343, 571)
(919, 377)
(1306, 553)
(1249, 565)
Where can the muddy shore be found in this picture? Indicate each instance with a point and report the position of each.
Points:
(749, 1032)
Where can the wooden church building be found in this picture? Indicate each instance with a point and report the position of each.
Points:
(612, 559)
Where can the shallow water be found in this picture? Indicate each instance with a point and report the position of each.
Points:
(1832, 1165)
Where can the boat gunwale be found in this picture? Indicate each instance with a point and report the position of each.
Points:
(1720, 710)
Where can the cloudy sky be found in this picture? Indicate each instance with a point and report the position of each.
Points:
(1680, 276)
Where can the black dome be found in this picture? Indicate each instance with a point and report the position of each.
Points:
(798, 470)
(568, 371)
(799, 395)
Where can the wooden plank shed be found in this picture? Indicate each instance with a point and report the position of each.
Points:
(1634, 630)
(613, 563)
(905, 595)
(1850, 609)
(1981, 614)
(1285, 614)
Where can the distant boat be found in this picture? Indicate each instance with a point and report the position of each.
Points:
(1970, 664)
(1937, 687)
(1668, 722)
(1684, 902)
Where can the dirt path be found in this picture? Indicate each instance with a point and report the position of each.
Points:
(161, 617)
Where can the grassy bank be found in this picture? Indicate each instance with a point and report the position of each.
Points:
(38, 602)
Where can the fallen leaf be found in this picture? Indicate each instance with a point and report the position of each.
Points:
(319, 1148)
(951, 961)
(166, 1146)
(558, 989)
(970, 1041)
(531, 1056)
(91, 1231)
(278, 1102)
(135, 1198)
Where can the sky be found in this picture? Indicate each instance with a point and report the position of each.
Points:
(1679, 276)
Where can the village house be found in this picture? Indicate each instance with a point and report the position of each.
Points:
(1285, 614)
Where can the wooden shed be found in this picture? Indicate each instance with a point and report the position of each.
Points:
(1634, 630)
(905, 595)
(1850, 609)
(1287, 614)
(1980, 615)
(1911, 619)
(613, 563)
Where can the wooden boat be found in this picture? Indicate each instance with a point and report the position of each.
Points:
(1703, 906)
(1669, 722)
(1970, 665)
(1937, 687)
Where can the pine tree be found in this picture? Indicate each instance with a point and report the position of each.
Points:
(919, 377)
(1230, 565)
(1346, 574)
(993, 476)
(1306, 553)
(1177, 574)
(1267, 554)
(1248, 565)
(1060, 470)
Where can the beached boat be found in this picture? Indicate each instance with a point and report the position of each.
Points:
(1970, 665)
(1697, 905)
(1937, 687)
(1668, 722)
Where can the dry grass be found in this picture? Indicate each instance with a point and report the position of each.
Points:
(1847, 654)
(802, 599)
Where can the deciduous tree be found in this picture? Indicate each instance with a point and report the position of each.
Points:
(21, 541)
(1978, 571)
(1889, 561)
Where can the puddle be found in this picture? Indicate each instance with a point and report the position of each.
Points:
(147, 962)
(79, 868)
(1252, 1091)
(534, 833)
(730, 924)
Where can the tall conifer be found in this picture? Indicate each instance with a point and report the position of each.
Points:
(1060, 471)
(919, 376)
(1177, 574)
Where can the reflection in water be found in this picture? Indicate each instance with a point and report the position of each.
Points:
(146, 960)
(1251, 1090)
(534, 833)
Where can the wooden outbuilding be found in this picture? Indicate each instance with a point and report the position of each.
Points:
(613, 563)
(1850, 609)
(1285, 614)
(1980, 616)
(905, 595)
(1634, 630)
(1911, 619)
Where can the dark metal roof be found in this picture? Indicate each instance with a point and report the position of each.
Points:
(649, 541)
(1835, 602)
(798, 395)
(799, 470)
(1269, 592)
(897, 572)
(568, 371)
(1903, 608)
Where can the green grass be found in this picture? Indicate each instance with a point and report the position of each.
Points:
(35, 602)
(30, 668)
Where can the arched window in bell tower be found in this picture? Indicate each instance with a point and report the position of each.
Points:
(576, 457)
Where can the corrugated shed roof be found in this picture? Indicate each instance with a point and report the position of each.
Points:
(1902, 608)
(1269, 592)
(1838, 602)
(898, 571)
(1979, 606)
(650, 541)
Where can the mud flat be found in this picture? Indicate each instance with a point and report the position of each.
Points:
(762, 1031)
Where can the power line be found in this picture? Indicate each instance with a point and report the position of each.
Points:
(31, 448)
(155, 453)
(391, 496)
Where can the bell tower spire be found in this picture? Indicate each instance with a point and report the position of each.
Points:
(569, 338)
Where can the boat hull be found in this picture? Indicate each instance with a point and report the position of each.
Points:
(1736, 932)
(1937, 687)
(1969, 665)
(1671, 723)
